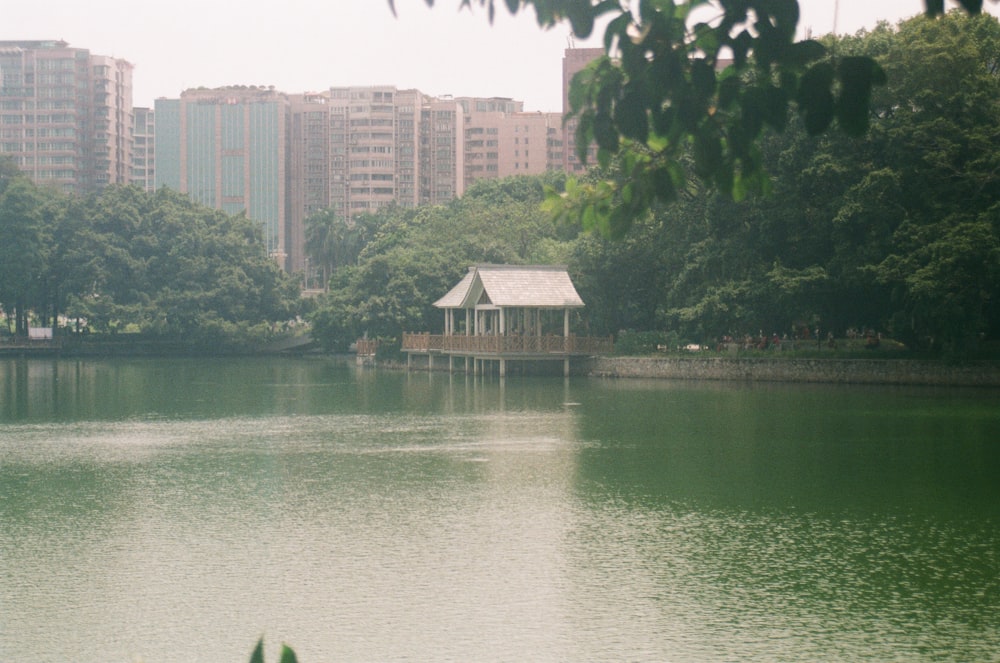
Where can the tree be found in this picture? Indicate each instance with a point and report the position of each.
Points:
(8, 172)
(333, 242)
(411, 257)
(701, 75)
(895, 230)
(22, 249)
(167, 267)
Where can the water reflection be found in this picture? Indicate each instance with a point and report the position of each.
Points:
(164, 511)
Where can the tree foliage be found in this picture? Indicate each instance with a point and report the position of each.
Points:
(897, 230)
(155, 262)
(703, 78)
(413, 256)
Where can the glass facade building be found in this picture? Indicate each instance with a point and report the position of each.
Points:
(227, 149)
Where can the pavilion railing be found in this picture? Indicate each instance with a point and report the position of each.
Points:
(366, 347)
(515, 344)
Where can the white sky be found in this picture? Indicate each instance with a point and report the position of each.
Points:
(310, 45)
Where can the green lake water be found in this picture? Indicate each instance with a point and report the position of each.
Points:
(177, 510)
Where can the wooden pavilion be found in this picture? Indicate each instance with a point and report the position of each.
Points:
(507, 313)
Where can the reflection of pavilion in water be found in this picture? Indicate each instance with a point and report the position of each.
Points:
(511, 313)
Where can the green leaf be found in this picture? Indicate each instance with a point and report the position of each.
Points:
(258, 652)
(604, 157)
(806, 51)
(729, 91)
(707, 153)
(815, 97)
(605, 132)
(775, 106)
(287, 655)
(706, 38)
(630, 116)
(741, 46)
(663, 120)
(584, 134)
(857, 76)
(617, 30)
(663, 184)
(703, 78)
(752, 113)
(581, 18)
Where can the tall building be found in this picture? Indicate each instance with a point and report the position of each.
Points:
(442, 151)
(353, 150)
(227, 148)
(574, 60)
(66, 114)
(375, 134)
(143, 149)
(310, 158)
(356, 150)
(502, 140)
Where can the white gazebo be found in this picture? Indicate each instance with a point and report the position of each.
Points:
(507, 312)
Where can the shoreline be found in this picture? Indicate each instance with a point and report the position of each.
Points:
(875, 371)
(830, 371)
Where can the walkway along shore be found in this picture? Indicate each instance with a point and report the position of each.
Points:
(839, 371)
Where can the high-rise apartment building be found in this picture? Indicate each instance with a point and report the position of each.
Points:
(374, 136)
(310, 157)
(442, 151)
(356, 150)
(227, 148)
(502, 140)
(66, 114)
(143, 149)
(353, 150)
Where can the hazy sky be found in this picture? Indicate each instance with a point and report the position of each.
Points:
(310, 45)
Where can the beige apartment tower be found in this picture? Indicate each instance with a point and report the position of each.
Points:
(501, 140)
(356, 150)
(66, 114)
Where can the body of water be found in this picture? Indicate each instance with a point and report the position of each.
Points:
(177, 510)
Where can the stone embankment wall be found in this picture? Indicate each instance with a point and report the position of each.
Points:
(842, 371)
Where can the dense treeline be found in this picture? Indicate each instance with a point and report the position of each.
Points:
(154, 263)
(896, 231)
(396, 263)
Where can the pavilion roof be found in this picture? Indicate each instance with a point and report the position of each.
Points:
(528, 286)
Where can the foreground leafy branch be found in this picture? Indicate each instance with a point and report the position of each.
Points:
(287, 655)
(695, 77)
